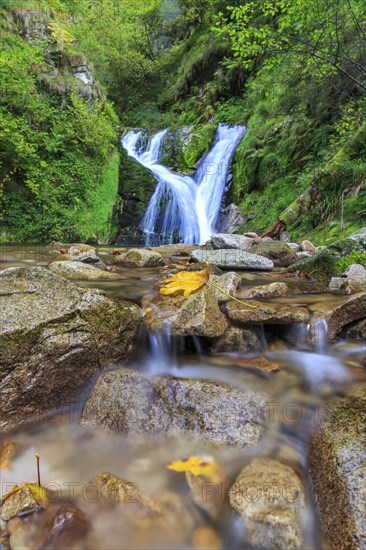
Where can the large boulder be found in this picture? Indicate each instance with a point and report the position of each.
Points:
(195, 315)
(79, 271)
(234, 259)
(337, 463)
(130, 402)
(224, 240)
(269, 495)
(139, 257)
(53, 337)
(279, 252)
(273, 290)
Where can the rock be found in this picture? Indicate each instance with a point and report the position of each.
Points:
(341, 312)
(140, 257)
(337, 465)
(93, 241)
(204, 498)
(7, 452)
(320, 266)
(304, 255)
(80, 271)
(56, 246)
(89, 257)
(230, 219)
(234, 259)
(236, 339)
(267, 239)
(195, 315)
(270, 497)
(228, 282)
(130, 402)
(267, 313)
(357, 330)
(60, 526)
(21, 501)
(285, 237)
(179, 249)
(119, 491)
(77, 249)
(295, 247)
(357, 273)
(307, 246)
(251, 235)
(258, 363)
(62, 258)
(273, 290)
(280, 253)
(223, 240)
(53, 337)
(206, 538)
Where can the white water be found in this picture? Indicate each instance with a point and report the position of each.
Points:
(184, 208)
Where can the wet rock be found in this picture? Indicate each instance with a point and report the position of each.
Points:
(206, 538)
(59, 527)
(209, 500)
(251, 235)
(273, 290)
(267, 313)
(21, 501)
(62, 258)
(80, 271)
(295, 247)
(119, 491)
(130, 402)
(337, 465)
(53, 337)
(195, 315)
(279, 252)
(320, 266)
(77, 249)
(228, 282)
(340, 312)
(230, 219)
(270, 497)
(307, 246)
(139, 257)
(89, 257)
(224, 240)
(236, 339)
(357, 330)
(234, 259)
(352, 281)
(179, 249)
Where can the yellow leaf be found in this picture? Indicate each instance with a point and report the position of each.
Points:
(186, 282)
(198, 466)
(14, 490)
(39, 494)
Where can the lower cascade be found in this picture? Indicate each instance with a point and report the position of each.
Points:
(184, 208)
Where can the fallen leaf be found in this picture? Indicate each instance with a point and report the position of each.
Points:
(199, 466)
(39, 494)
(186, 282)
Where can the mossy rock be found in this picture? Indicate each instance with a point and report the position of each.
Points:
(279, 252)
(320, 267)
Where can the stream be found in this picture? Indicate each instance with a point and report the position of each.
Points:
(289, 402)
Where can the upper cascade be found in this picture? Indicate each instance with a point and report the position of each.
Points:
(183, 208)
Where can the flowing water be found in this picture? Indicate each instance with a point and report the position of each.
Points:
(184, 208)
(311, 372)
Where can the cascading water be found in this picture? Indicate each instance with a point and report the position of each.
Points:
(184, 208)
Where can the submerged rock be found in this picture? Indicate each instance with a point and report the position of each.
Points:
(130, 402)
(139, 257)
(337, 463)
(270, 497)
(79, 271)
(225, 240)
(178, 249)
(267, 313)
(234, 259)
(53, 337)
(279, 252)
(195, 315)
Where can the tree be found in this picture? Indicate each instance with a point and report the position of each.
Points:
(328, 35)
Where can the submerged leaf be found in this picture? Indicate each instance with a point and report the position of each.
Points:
(198, 466)
(186, 282)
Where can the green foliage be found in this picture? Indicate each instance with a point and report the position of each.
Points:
(354, 257)
(54, 147)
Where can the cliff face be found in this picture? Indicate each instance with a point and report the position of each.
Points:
(58, 139)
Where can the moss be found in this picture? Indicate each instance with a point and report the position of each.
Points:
(320, 267)
(354, 257)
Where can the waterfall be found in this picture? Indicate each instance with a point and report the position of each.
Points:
(183, 208)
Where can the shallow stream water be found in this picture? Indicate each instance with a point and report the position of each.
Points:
(311, 373)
